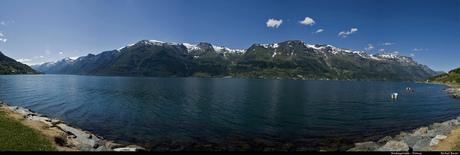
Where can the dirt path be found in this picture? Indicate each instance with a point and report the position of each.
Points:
(449, 143)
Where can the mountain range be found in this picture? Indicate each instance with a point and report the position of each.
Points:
(291, 59)
(11, 66)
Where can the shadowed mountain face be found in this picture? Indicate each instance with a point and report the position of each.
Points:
(11, 66)
(289, 60)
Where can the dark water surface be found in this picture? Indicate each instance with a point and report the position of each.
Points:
(231, 114)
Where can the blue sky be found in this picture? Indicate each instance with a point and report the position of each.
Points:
(35, 31)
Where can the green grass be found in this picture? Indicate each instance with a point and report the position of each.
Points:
(457, 146)
(14, 136)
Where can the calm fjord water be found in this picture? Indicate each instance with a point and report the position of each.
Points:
(220, 111)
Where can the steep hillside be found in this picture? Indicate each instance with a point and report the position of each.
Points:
(453, 77)
(11, 66)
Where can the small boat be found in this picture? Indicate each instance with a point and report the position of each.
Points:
(394, 95)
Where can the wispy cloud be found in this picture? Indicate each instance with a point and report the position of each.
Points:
(396, 52)
(2, 39)
(386, 43)
(369, 47)
(274, 23)
(412, 55)
(307, 21)
(381, 50)
(345, 34)
(318, 31)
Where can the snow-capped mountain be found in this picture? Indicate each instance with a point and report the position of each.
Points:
(335, 50)
(289, 59)
(192, 48)
(50, 67)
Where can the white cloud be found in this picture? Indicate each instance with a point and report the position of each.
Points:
(3, 39)
(3, 23)
(396, 52)
(307, 21)
(318, 31)
(61, 53)
(370, 47)
(23, 60)
(344, 34)
(420, 49)
(386, 43)
(381, 50)
(36, 57)
(1, 34)
(274, 23)
(412, 55)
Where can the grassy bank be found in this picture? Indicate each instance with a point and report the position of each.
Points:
(15, 136)
(453, 77)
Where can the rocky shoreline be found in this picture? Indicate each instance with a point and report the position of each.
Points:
(74, 137)
(420, 139)
(454, 90)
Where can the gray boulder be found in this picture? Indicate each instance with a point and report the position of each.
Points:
(422, 145)
(411, 140)
(88, 142)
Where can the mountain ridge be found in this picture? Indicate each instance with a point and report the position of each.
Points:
(293, 59)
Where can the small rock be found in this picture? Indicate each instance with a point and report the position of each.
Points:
(112, 145)
(420, 131)
(13, 108)
(125, 149)
(436, 140)
(394, 146)
(455, 122)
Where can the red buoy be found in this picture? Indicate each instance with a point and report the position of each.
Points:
(411, 90)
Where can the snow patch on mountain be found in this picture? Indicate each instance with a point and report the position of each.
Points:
(121, 48)
(223, 49)
(274, 45)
